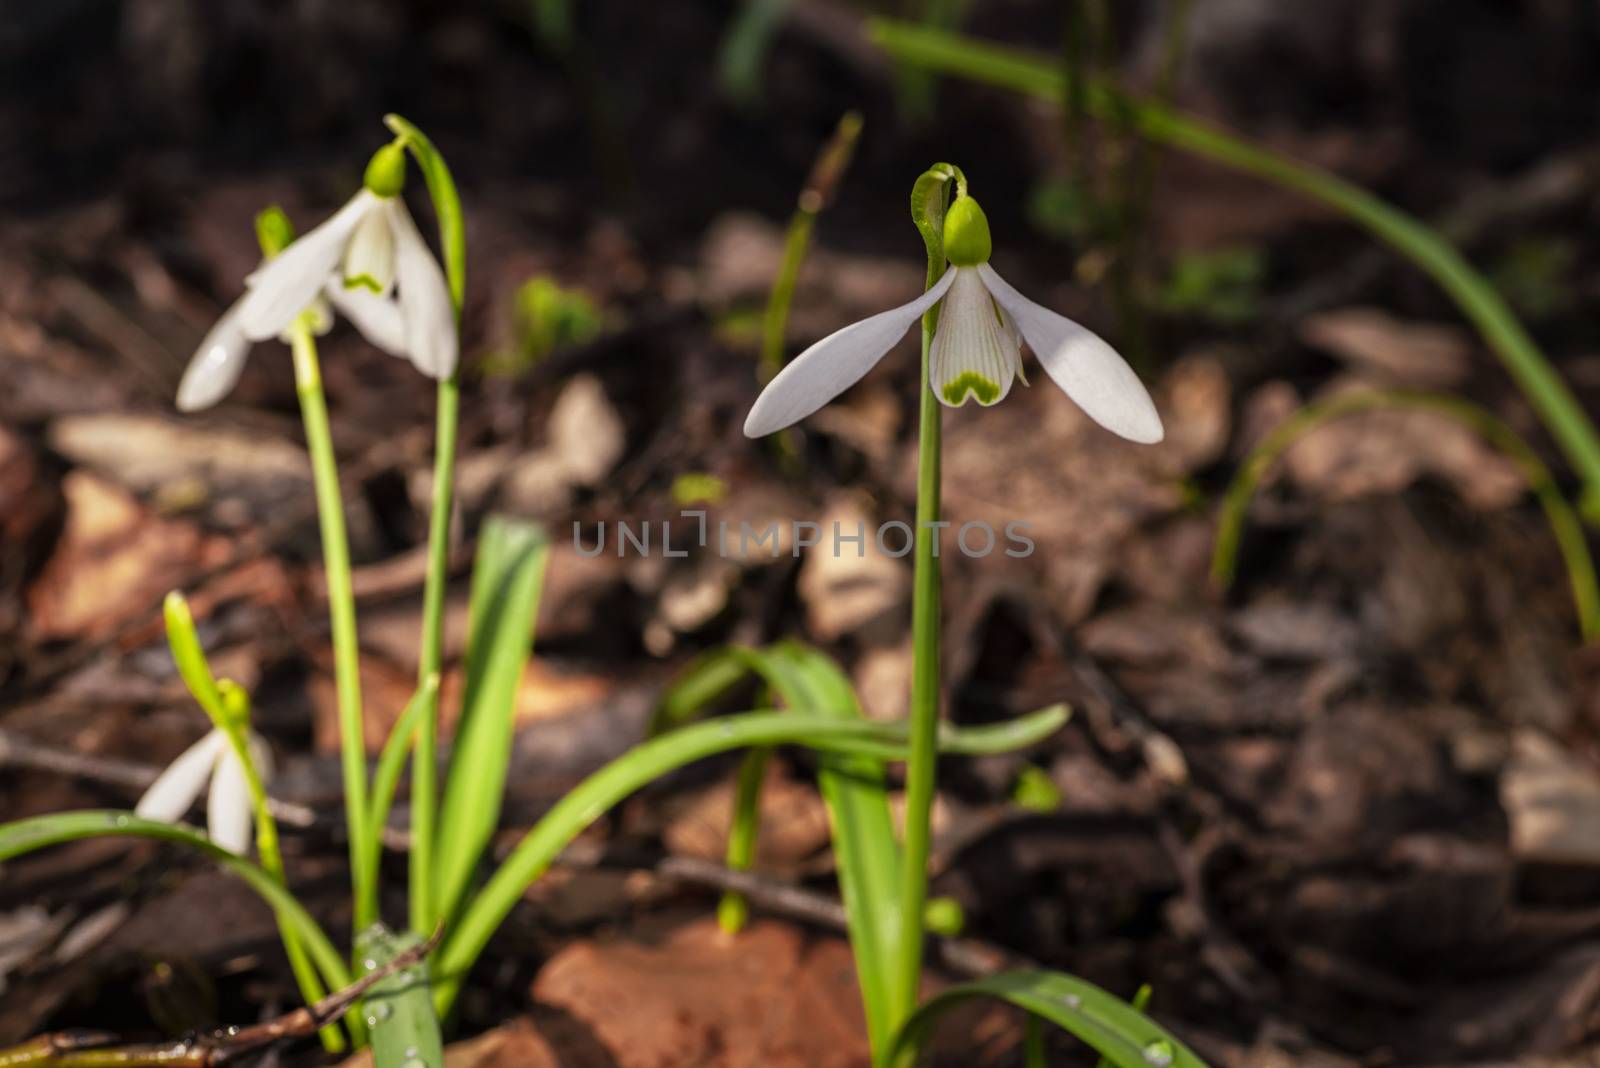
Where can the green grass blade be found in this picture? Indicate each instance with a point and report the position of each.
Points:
(399, 1008)
(742, 55)
(392, 764)
(1122, 1034)
(733, 910)
(25, 836)
(866, 851)
(1009, 69)
(1563, 521)
(590, 799)
(507, 578)
(707, 679)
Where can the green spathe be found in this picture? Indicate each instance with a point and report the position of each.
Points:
(386, 172)
(274, 231)
(966, 234)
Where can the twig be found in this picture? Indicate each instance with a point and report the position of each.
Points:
(93, 1049)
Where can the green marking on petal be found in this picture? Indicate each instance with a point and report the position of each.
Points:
(955, 391)
(363, 281)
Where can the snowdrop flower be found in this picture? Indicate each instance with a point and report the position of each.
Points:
(368, 261)
(230, 815)
(976, 349)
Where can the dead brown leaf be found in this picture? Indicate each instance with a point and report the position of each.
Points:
(770, 996)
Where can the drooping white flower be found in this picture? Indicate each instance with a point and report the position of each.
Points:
(368, 261)
(230, 815)
(976, 350)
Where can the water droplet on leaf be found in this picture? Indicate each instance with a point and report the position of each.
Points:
(1158, 1052)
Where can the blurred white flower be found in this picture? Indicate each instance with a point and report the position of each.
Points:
(230, 815)
(368, 261)
(976, 348)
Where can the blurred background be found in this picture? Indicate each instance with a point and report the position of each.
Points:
(1346, 810)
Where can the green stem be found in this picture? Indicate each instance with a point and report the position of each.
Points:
(342, 617)
(733, 910)
(921, 765)
(425, 759)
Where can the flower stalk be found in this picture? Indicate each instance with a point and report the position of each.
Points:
(921, 763)
(341, 616)
(425, 756)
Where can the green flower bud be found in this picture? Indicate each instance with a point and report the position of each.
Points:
(966, 234)
(274, 231)
(386, 173)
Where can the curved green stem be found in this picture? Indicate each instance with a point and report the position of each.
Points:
(927, 207)
(1477, 299)
(25, 836)
(1563, 521)
(342, 617)
(425, 759)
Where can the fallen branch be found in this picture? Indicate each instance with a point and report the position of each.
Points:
(95, 1049)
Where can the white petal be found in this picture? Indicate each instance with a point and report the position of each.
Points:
(973, 353)
(174, 791)
(216, 365)
(425, 308)
(281, 288)
(1089, 370)
(835, 363)
(369, 254)
(229, 814)
(378, 318)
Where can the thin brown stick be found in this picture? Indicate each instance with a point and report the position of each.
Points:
(93, 1049)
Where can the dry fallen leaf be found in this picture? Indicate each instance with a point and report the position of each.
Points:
(1422, 355)
(770, 996)
(113, 562)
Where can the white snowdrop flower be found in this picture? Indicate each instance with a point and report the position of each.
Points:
(368, 261)
(976, 349)
(230, 815)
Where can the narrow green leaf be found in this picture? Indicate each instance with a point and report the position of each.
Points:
(399, 1008)
(25, 836)
(1122, 1034)
(708, 678)
(590, 799)
(1559, 515)
(392, 763)
(1007, 68)
(507, 578)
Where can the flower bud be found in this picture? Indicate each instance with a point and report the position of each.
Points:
(966, 234)
(386, 173)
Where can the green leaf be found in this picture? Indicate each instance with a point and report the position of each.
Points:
(25, 836)
(1564, 523)
(866, 850)
(507, 578)
(1122, 1034)
(392, 763)
(590, 799)
(399, 1008)
(1007, 68)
